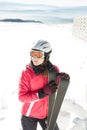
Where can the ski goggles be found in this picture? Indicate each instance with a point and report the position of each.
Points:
(38, 54)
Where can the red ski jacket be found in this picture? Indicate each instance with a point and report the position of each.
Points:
(29, 85)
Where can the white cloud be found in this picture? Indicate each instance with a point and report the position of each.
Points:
(52, 2)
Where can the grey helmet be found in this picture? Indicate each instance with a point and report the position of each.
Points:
(42, 45)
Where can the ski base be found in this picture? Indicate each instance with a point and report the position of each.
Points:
(59, 97)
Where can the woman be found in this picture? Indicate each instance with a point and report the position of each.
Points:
(34, 87)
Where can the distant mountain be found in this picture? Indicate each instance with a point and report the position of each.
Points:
(55, 20)
(19, 20)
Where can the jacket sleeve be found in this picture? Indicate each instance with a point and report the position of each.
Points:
(24, 92)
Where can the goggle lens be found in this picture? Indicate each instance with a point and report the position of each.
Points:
(37, 54)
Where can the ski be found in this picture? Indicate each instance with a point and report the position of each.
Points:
(52, 77)
(55, 102)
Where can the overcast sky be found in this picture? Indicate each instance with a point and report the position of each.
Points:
(57, 2)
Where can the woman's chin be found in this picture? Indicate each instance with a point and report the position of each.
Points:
(36, 64)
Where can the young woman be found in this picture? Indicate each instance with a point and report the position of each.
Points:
(35, 87)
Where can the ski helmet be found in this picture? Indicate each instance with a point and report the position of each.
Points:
(42, 45)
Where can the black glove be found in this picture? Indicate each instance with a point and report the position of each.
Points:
(41, 93)
(52, 86)
(64, 76)
(48, 89)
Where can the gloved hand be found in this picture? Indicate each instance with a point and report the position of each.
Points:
(52, 86)
(48, 89)
(64, 76)
(41, 93)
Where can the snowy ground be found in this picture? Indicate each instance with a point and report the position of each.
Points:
(69, 53)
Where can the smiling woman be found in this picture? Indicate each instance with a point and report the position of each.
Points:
(17, 37)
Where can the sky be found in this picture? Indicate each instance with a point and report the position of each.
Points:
(53, 2)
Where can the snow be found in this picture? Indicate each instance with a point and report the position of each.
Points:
(69, 53)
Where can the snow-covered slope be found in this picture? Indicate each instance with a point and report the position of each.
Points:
(69, 53)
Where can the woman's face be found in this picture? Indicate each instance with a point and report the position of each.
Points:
(37, 61)
(37, 57)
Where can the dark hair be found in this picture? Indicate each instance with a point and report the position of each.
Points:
(43, 68)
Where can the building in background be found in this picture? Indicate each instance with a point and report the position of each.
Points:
(80, 27)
